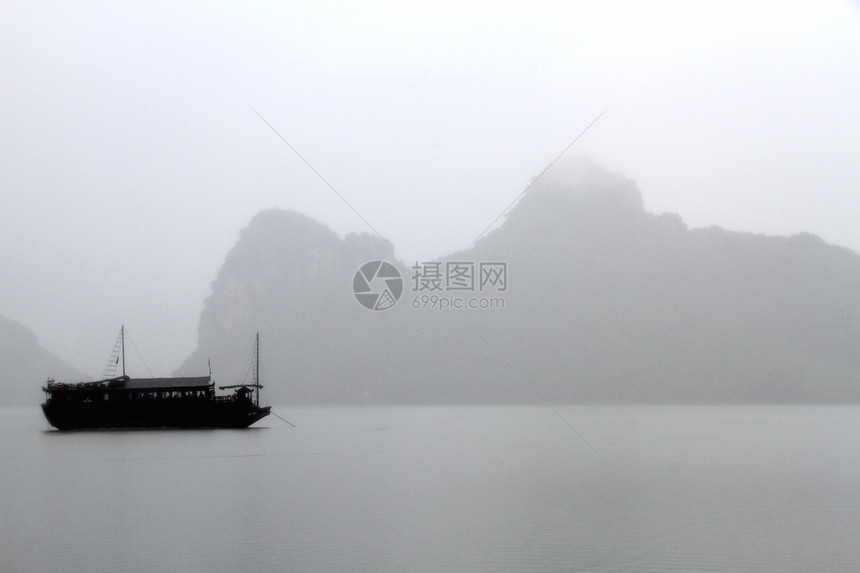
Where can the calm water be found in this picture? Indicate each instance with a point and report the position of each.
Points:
(441, 489)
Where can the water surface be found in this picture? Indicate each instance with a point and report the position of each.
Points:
(681, 488)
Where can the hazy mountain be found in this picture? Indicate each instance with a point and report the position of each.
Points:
(604, 302)
(626, 305)
(290, 278)
(24, 363)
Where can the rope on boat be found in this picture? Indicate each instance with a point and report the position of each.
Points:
(323, 179)
(533, 181)
(139, 355)
(275, 415)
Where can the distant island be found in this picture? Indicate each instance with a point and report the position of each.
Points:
(605, 302)
(588, 299)
(25, 365)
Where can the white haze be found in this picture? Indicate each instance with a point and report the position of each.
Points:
(131, 152)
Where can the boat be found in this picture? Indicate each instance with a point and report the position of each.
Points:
(178, 402)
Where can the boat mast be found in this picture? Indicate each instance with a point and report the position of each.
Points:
(122, 338)
(257, 371)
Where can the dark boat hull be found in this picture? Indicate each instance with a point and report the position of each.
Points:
(192, 413)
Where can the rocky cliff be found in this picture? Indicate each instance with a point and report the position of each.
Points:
(603, 302)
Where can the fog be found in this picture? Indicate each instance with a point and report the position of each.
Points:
(133, 149)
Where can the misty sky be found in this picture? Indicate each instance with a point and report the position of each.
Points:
(131, 152)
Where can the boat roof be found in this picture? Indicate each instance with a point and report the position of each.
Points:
(182, 382)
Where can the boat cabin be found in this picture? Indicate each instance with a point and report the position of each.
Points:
(125, 388)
